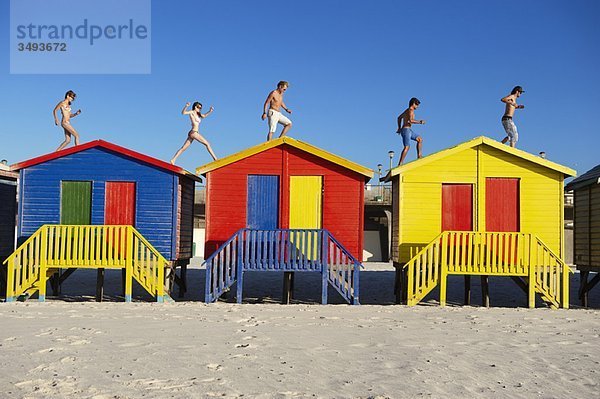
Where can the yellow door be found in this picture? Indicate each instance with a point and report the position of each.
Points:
(306, 204)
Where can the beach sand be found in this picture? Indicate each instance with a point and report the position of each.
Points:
(73, 347)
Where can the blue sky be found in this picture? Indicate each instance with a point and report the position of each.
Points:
(352, 66)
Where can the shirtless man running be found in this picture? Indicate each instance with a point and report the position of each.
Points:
(405, 122)
(507, 118)
(275, 101)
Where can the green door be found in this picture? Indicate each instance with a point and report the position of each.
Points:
(76, 202)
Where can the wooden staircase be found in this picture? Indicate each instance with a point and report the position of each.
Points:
(287, 250)
(55, 247)
(521, 255)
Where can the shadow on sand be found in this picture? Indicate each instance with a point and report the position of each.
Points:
(376, 288)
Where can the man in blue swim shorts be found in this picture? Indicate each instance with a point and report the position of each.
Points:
(405, 122)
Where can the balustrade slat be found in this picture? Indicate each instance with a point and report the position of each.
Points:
(430, 265)
(452, 251)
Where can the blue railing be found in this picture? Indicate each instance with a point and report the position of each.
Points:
(290, 250)
(221, 268)
(344, 271)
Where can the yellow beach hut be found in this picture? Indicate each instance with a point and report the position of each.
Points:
(479, 208)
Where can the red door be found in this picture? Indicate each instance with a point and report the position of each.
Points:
(501, 204)
(457, 207)
(457, 215)
(119, 210)
(120, 203)
(502, 214)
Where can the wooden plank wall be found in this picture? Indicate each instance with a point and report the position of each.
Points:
(396, 219)
(343, 194)
(227, 191)
(587, 227)
(421, 187)
(40, 198)
(185, 218)
(8, 212)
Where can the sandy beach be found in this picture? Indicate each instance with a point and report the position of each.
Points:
(76, 348)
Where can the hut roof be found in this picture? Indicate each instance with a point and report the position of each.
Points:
(590, 177)
(219, 163)
(474, 143)
(8, 175)
(109, 146)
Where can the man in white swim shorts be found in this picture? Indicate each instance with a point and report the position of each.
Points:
(275, 102)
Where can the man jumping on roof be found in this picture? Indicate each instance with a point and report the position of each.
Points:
(509, 111)
(275, 101)
(405, 122)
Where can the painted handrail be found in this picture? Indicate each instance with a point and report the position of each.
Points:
(221, 268)
(147, 266)
(488, 253)
(23, 266)
(344, 271)
(423, 271)
(283, 250)
(84, 246)
(551, 276)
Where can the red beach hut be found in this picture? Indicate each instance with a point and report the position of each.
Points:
(284, 184)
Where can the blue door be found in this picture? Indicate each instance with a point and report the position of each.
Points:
(263, 202)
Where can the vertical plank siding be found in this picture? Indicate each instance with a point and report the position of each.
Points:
(582, 224)
(8, 212)
(457, 207)
(396, 201)
(595, 226)
(185, 238)
(76, 202)
(502, 204)
(306, 202)
(587, 227)
(263, 202)
(120, 203)
(40, 197)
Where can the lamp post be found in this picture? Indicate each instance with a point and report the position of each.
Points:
(379, 167)
(391, 154)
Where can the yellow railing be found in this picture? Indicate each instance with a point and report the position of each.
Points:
(489, 254)
(147, 266)
(551, 276)
(424, 271)
(53, 247)
(23, 267)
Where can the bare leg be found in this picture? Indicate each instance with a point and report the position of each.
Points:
(185, 145)
(419, 147)
(513, 144)
(64, 143)
(403, 155)
(504, 140)
(199, 138)
(286, 128)
(72, 131)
